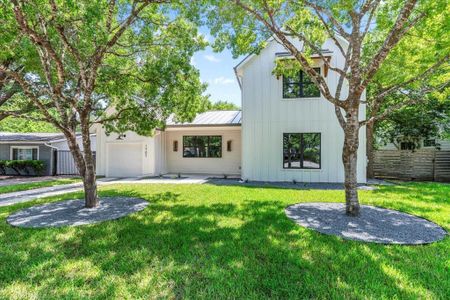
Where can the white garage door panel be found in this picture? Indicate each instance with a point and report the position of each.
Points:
(124, 160)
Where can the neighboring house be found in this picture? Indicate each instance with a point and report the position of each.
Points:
(286, 131)
(38, 146)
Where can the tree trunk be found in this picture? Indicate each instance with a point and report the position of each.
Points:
(89, 180)
(370, 150)
(350, 159)
(90, 188)
(86, 166)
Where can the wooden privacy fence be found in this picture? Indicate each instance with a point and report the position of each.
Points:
(423, 164)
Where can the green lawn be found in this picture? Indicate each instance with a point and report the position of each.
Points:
(34, 185)
(206, 241)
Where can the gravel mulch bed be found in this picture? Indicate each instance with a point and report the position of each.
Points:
(376, 225)
(73, 212)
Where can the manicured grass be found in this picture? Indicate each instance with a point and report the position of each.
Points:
(206, 241)
(34, 185)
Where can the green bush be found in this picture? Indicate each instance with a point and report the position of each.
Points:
(22, 167)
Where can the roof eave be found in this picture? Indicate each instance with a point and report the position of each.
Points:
(203, 125)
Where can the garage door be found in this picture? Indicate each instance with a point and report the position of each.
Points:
(124, 160)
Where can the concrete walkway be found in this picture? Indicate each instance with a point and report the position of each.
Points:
(11, 180)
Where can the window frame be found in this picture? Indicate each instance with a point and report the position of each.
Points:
(427, 145)
(300, 84)
(11, 151)
(407, 146)
(302, 167)
(208, 146)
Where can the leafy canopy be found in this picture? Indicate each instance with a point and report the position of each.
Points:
(145, 74)
(222, 105)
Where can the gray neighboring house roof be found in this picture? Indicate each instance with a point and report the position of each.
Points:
(29, 137)
(211, 118)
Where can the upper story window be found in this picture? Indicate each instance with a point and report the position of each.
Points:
(24, 153)
(300, 86)
(202, 146)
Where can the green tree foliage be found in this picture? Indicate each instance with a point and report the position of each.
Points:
(13, 124)
(122, 64)
(427, 120)
(222, 105)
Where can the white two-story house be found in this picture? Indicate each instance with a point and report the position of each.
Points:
(286, 131)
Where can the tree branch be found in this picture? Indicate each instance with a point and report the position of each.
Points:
(394, 36)
(26, 88)
(428, 71)
(40, 41)
(403, 104)
(330, 16)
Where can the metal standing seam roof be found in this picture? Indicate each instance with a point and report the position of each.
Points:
(29, 137)
(211, 118)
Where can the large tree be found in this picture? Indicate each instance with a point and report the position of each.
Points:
(413, 83)
(245, 25)
(131, 56)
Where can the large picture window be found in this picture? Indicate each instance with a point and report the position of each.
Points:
(301, 150)
(300, 86)
(202, 146)
(24, 153)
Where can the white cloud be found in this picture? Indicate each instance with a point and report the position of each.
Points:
(221, 81)
(211, 58)
(193, 61)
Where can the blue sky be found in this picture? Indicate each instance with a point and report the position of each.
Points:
(216, 69)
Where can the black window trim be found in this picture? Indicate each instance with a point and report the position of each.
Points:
(209, 137)
(300, 84)
(301, 155)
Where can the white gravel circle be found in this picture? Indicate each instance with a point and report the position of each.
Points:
(73, 212)
(375, 225)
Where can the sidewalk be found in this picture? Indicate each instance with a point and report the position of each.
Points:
(10, 180)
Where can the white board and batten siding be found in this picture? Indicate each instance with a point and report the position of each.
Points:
(266, 116)
(228, 164)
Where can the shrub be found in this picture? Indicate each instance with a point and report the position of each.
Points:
(22, 166)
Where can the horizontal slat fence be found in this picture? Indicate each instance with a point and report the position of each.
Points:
(442, 171)
(423, 164)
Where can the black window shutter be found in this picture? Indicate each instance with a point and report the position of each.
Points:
(34, 156)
